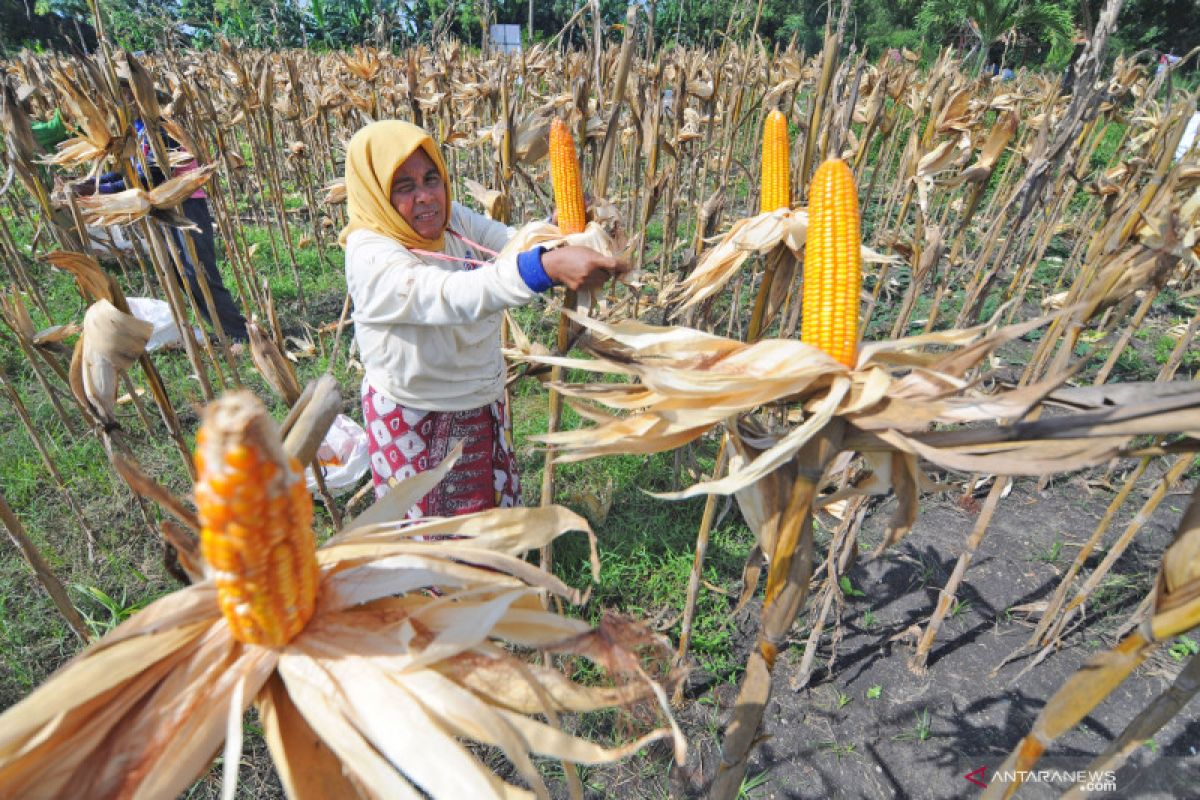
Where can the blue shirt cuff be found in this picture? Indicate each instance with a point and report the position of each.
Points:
(529, 264)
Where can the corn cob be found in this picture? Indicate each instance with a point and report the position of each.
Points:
(564, 175)
(256, 523)
(776, 187)
(832, 264)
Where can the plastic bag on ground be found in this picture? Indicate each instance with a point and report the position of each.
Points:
(158, 314)
(344, 456)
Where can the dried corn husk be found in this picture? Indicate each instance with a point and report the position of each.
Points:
(411, 649)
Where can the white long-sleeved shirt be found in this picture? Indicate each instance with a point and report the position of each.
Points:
(428, 330)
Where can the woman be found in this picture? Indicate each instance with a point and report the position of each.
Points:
(427, 312)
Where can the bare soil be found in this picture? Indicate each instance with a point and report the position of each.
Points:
(923, 733)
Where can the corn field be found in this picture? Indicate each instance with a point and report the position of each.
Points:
(862, 285)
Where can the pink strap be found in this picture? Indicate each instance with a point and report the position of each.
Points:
(445, 257)
(476, 245)
(462, 238)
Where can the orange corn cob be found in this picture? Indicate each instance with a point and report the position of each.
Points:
(256, 522)
(564, 175)
(776, 186)
(832, 264)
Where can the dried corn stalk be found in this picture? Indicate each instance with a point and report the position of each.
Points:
(1175, 609)
(410, 648)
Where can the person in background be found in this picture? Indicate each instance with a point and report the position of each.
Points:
(49, 133)
(195, 208)
(1165, 62)
(427, 311)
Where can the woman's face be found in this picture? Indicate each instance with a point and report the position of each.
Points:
(419, 195)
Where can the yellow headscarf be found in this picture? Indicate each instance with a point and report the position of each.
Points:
(372, 158)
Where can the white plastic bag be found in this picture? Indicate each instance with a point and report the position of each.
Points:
(344, 456)
(1189, 136)
(158, 314)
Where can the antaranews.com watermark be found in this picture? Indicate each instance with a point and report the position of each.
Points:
(1087, 780)
(1142, 775)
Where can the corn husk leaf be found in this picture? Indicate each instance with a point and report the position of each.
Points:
(16, 314)
(112, 340)
(307, 767)
(55, 334)
(172, 193)
(119, 208)
(494, 202)
(758, 234)
(94, 283)
(335, 192)
(275, 369)
(1001, 134)
(141, 712)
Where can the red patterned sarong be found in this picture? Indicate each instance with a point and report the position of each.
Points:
(405, 441)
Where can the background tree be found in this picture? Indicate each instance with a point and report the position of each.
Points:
(1167, 26)
(1039, 29)
(63, 25)
(988, 21)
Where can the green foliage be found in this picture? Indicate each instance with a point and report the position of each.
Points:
(920, 730)
(883, 26)
(849, 590)
(983, 23)
(1051, 554)
(1171, 26)
(750, 783)
(1044, 27)
(58, 24)
(1183, 647)
(682, 22)
(115, 611)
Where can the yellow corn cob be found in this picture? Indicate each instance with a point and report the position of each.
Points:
(776, 186)
(256, 522)
(564, 175)
(832, 264)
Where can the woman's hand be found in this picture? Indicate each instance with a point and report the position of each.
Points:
(581, 267)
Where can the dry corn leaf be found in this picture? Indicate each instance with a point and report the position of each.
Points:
(942, 157)
(119, 208)
(302, 347)
(690, 382)
(758, 234)
(172, 193)
(141, 84)
(94, 283)
(1001, 134)
(167, 686)
(495, 203)
(17, 131)
(955, 115)
(111, 341)
(55, 334)
(272, 365)
(16, 314)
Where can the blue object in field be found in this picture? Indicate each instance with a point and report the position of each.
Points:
(1008, 74)
(113, 182)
